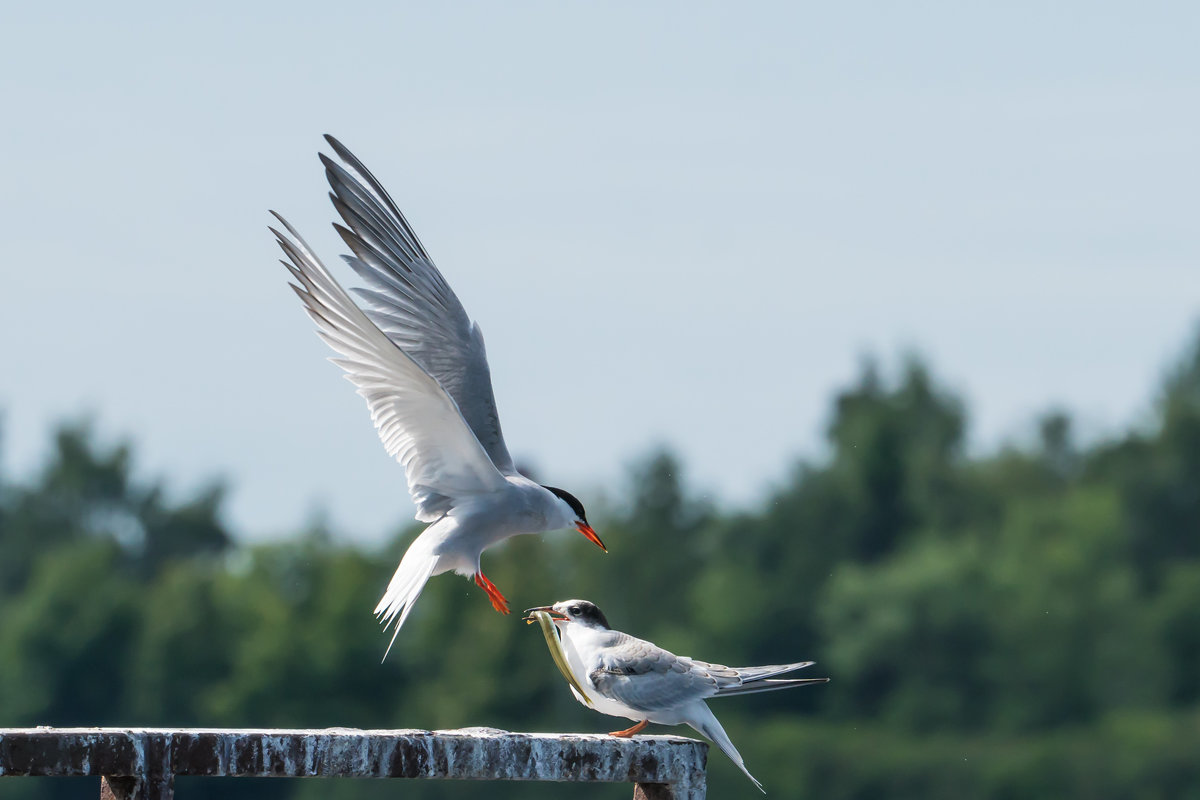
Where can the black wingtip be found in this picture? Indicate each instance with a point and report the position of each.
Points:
(339, 148)
(287, 226)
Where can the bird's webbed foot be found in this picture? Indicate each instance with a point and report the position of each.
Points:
(498, 601)
(628, 732)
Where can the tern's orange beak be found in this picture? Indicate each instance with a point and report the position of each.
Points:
(590, 535)
(557, 616)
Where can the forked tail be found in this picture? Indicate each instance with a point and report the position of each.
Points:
(704, 721)
(414, 571)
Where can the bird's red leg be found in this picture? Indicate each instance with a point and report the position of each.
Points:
(498, 601)
(625, 734)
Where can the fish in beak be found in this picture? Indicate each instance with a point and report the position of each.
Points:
(543, 616)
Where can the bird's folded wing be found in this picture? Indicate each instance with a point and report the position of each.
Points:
(746, 680)
(410, 301)
(725, 675)
(769, 685)
(419, 423)
(647, 678)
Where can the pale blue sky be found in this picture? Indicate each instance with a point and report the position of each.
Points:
(675, 223)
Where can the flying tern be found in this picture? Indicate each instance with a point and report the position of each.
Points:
(627, 677)
(419, 361)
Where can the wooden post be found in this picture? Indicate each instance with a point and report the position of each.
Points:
(130, 788)
(656, 791)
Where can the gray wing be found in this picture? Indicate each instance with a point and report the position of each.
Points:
(417, 420)
(748, 680)
(646, 677)
(410, 301)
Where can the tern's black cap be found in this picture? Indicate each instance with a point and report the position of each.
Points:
(586, 611)
(569, 499)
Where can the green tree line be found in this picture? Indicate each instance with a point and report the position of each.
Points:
(1023, 623)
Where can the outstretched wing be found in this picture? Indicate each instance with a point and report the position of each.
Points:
(410, 301)
(419, 423)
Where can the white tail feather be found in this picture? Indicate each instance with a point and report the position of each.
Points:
(414, 571)
(703, 720)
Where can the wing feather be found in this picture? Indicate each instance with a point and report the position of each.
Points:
(418, 421)
(410, 302)
(646, 677)
(769, 685)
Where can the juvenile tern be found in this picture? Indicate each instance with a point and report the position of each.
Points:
(419, 361)
(632, 678)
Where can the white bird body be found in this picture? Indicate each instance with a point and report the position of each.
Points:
(456, 540)
(476, 523)
(628, 677)
(420, 363)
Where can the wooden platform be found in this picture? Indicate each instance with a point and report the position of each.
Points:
(141, 763)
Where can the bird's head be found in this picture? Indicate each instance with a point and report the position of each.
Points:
(581, 612)
(576, 517)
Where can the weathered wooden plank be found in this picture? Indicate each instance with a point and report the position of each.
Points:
(663, 766)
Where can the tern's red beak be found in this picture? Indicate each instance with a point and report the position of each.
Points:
(590, 535)
(557, 616)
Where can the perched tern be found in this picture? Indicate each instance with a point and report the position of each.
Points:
(419, 361)
(632, 678)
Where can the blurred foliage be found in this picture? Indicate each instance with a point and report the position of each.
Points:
(1018, 624)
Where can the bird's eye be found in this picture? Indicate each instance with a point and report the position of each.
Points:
(575, 611)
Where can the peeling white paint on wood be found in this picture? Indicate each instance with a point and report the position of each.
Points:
(663, 766)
